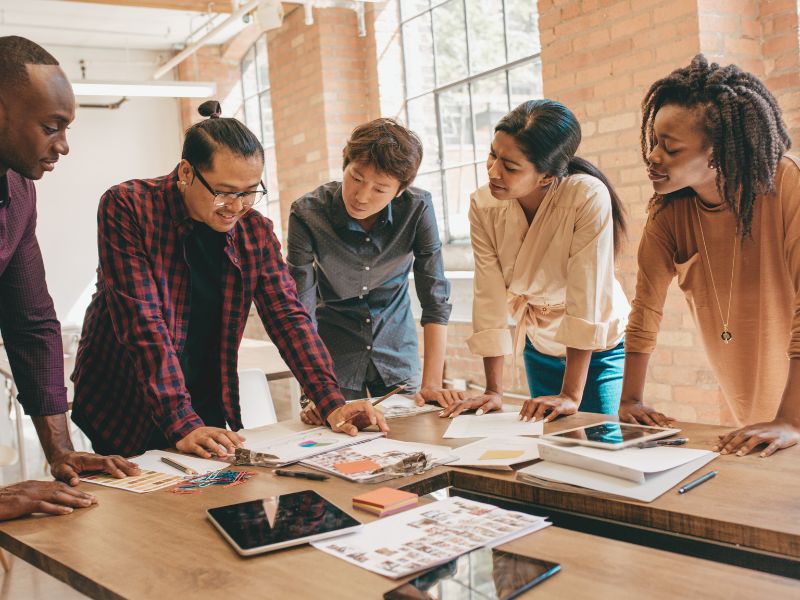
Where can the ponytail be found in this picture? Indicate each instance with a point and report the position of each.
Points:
(581, 165)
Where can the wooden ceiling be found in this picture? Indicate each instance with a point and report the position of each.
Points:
(219, 6)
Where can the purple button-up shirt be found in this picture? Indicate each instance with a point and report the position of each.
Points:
(31, 332)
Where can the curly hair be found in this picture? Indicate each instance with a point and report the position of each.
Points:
(743, 124)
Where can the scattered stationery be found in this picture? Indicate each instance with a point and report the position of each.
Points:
(399, 388)
(496, 453)
(380, 459)
(693, 484)
(498, 424)
(655, 443)
(223, 477)
(301, 474)
(181, 467)
(300, 445)
(385, 501)
(631, 473)
(399, 406)
(429, 535)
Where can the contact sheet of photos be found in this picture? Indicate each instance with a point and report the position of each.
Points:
(429, 535)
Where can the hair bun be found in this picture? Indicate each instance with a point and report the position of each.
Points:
(211, 109)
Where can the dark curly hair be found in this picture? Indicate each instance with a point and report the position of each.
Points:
(742, 122)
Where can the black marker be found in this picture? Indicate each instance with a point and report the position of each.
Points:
(693, 484)
(301, 474)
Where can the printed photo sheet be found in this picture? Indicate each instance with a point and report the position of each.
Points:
(429, 535)
(300, 445)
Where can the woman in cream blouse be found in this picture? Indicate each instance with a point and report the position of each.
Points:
(543, 233)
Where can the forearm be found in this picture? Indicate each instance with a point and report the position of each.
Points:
(634, 377)
(435, 345)
(493, 369)
(53, 432)
(789, 409)
(575, 373)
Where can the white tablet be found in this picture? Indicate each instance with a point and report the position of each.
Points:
(280, 521)
(610, 435)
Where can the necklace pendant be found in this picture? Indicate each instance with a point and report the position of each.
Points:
(726, 336)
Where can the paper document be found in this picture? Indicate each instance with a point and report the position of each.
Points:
(398, 406)
(429, 535)
(297, 446)
(497, 453)
(498, 424)
(381, 459)
(151, 460)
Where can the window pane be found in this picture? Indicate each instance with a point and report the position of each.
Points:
(525, 82)
(252, 117)
(487, 44)
(490, 103)
(418, 53)
(432, 182)
(422, 121)
(456, 124)
(450, 42)
(483, 173)
(267, 131)
(522, 20)
(249, 82)
(262, 60)
(409, 8)
(460, 184)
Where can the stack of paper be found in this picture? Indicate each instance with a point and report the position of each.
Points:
(497, 424)
(385, 501)
(641, 474)
(498, 454)
(429, 535)
(398, 406)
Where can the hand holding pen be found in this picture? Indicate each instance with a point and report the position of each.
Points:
(360, 410)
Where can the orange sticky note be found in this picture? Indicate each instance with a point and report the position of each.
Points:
(356, 466)
(385, 496)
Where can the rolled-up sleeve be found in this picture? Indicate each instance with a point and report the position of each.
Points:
(491, 335)
(590, 276)
(433, 289)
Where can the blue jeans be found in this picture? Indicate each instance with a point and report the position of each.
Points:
(603, 384)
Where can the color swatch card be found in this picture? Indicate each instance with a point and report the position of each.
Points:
(385, 501)
(429, 535)
(496, 424)
(499, 454)
(146, 481)
(398, 406)
(380, 459)
(300, 445)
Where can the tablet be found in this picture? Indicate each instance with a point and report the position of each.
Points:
(483, 574)
(280, 521)
(610, 435)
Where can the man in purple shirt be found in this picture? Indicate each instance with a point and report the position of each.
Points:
(36, 106)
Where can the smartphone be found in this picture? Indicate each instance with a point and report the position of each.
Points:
(483, 574)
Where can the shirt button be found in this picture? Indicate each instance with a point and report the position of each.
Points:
(360, 296)
(545, 310)
(364, 288)
(369, 347)
(366, 268)
(366, 239)
(236, 260)
(368, 320)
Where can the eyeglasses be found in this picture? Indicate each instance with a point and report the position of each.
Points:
(248, 199)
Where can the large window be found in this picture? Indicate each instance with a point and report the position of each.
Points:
(257, 113)
(467, 63)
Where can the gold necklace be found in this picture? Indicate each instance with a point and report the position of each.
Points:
(726, 335)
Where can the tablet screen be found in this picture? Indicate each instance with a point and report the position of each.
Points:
(483, 574)
(280, 519)
(609, 433)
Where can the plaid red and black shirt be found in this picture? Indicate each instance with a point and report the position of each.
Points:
(128, 378)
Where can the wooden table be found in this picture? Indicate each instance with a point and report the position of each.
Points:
(160, 545)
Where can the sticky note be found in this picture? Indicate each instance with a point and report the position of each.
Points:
(385, 496)
(356, 466)
(501, 454)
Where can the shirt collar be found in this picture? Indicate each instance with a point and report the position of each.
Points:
(341, 220)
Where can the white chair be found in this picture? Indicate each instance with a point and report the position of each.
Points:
(255, 399)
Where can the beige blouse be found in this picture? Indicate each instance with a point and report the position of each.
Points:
(765, 308)
(555, 277)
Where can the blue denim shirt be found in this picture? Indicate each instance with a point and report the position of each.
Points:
(354, 283)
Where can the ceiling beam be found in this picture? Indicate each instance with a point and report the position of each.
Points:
(217, 6)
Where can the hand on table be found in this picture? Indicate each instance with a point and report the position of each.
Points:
(49, 497)
(363, 415)
(206, 442)
(68, 466)
(636, 412)
(776, 435)
(440, 395)
(548, 408)
(484, 403)
(310, 415)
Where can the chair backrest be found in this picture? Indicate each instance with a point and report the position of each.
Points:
(255, 399)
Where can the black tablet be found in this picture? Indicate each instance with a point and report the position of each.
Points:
(483, 574)
(280, 521)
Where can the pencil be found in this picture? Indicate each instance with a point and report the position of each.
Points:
(374, 403)
(176, 465)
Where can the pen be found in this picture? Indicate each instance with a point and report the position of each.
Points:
(176, 465)
(301, 474)
(374, 403)
(654, 443)
(693, 484)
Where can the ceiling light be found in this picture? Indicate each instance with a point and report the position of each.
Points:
(152, 89)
